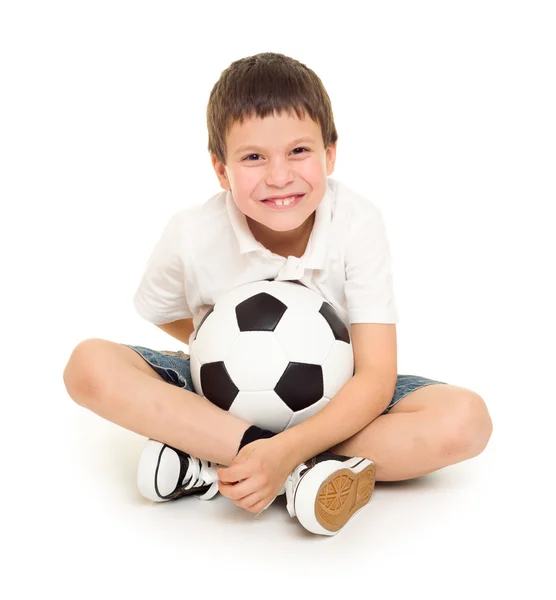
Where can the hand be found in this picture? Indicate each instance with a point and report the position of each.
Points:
(255, 476)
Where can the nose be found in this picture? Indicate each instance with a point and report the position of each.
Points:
(279, 173)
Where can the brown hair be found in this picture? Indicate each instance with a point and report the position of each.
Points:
(262, 85)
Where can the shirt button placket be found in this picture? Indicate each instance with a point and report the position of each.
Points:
(293, 269)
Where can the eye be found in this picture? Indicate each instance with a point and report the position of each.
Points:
(250, 155)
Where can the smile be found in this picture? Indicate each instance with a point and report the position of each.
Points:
(285, 204)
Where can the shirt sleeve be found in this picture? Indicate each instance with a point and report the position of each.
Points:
(369, 284)
(161, 295)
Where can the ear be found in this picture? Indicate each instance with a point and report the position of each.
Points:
(221, 173)
(331, 158)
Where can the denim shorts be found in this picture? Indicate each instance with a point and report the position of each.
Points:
(173, 367)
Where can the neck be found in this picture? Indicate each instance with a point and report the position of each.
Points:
(283, 243)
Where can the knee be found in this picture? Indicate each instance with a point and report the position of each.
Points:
(470, 426)
(83, 372)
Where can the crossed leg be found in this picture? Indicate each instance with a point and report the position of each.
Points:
(433, 427)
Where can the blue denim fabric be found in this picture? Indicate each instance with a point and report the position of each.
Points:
(173, 367)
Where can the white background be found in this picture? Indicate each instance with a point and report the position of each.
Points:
(446, 120)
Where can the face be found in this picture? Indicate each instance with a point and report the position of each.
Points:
(265, 158)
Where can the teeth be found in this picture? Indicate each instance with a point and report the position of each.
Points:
(285, 201)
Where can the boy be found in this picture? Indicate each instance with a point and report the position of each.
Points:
(272, 141)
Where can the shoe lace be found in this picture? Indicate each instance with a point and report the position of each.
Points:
(290, 486)
(200, 473)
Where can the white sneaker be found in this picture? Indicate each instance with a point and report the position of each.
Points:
(165, 473)
(326, 491)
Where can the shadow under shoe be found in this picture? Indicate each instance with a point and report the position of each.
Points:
(166, 473)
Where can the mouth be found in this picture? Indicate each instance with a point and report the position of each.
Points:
(284, 203)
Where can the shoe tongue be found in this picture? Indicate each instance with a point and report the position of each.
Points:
(202, 472)
(190, 471)
(326, 456)
(309, 464)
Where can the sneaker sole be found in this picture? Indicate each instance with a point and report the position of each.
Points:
(343, 494)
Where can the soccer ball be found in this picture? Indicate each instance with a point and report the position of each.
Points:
(272, 353)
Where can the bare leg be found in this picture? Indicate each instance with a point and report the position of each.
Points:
(431, 428)
(114, 382)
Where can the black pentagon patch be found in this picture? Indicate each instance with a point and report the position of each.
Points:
(202, 321)
(338, 327)
(217, 385)
(301, 385)
(261, 312)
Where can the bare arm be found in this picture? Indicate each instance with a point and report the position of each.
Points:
(359, 402)
(180, 329)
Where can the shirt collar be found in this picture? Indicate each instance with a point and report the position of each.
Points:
(316, 251)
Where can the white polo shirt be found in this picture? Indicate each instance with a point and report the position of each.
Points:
(208, 249)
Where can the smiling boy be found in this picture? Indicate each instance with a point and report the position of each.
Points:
(273, 142)
(254, 173)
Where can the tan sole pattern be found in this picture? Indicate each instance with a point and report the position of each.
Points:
(342, 494)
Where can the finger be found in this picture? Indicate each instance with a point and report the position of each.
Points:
(251, 502)
(236, 472)
(238, 491)
(226, 489)
(238, 459)
(223, 488)
(261, 506)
